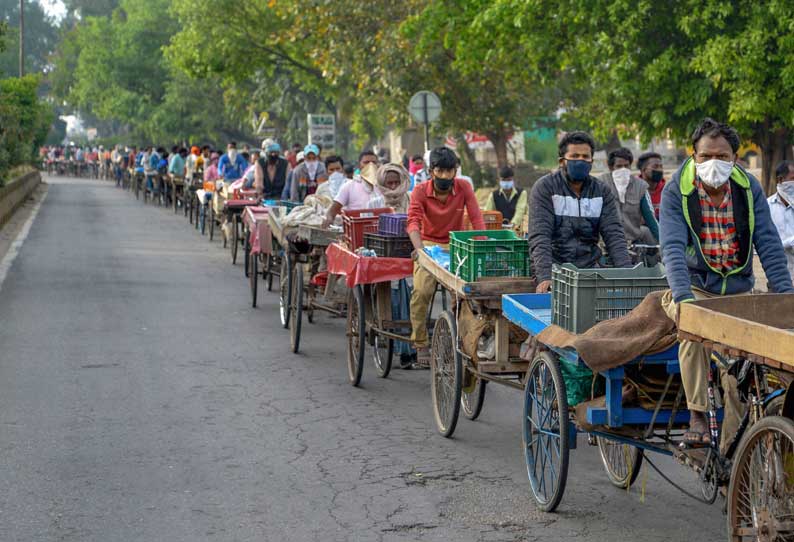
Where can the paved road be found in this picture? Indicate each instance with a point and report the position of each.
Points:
(142, 399)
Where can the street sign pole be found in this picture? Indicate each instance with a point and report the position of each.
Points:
(425, 107)
(427, 123)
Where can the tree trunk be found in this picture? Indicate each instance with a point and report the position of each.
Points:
(775, 146)
(499, 140)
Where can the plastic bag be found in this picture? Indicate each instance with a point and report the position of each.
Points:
(439, 255)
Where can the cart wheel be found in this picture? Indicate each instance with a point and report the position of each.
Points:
(246, 253)
(253, 279)
(235, 238)
(356, 331)
(212, 221)
(189, 210)
(383, 350)
(622, 462)
(267, 273)
(761, 490)
(471, 402)
(285, 287)
(297, 307)
(175, 198)
(775, 406)
(546, 431)
(203, 211)
(446, 370)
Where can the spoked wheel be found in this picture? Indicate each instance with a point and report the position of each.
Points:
(383, 352)
(189, 210)
(761, 491)
(235, 237)
(356, 334)
(621, 461)
(775, 406)
(253, 278)
(446, 370)
(285, 287)
(175, 199)
(246, 253)
(267, 268)
(472, 396)
(212, 221)
(545, 432)
(203, 212)
(296, 315)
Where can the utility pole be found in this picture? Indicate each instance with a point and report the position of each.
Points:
(21, 38)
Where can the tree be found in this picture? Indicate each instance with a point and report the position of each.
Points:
(652, 68)
(24, 120)
(41, 37)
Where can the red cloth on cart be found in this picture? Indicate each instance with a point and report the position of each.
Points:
(259, 238)
(366, 269)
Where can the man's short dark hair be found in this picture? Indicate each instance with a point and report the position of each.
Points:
(645, 158)
(418, 157)
(233, 144)
(622, 152)
(711, 128)
(575, 138)
(506, 172)
(444, 158)
(205, 147)
(333, 158)
(175, 149)
(366, 152)
(783, 168)
(183, 150)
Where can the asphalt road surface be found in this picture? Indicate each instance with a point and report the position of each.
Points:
(142, 399)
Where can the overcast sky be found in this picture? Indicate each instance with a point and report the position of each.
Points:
(54, 8)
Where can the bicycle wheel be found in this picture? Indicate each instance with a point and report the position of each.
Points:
(253, 279)
(246, 253)
(446, 374)
(212, 221)
(761, 491)
(356, 334)
(235, 237)
(296, 316)
(621, 461)
(267, 271)
(383, 353)
(471, 401)
(285, 288)
(203, 220)
(545, 431)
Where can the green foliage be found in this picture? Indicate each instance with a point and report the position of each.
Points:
(24, 121)
(41, 37)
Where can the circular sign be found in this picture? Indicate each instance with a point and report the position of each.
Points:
(425, 107)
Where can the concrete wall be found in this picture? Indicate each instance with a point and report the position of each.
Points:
(15, 192)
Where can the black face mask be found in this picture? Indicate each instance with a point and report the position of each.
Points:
(442, 185)
(656, 175)
(272, 158)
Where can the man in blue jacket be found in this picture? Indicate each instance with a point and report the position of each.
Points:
(569, 210)
(712, 215)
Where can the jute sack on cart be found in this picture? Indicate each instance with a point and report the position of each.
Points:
(645, 330)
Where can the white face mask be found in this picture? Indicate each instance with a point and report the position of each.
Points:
(622, 177)
(232, 154)
(714, 173)
(786, 189)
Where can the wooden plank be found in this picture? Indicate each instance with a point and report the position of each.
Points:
(740, 334)
(383, 301)
(496, 367)
(502, 339)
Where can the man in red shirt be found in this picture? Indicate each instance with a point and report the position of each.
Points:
(436, 209)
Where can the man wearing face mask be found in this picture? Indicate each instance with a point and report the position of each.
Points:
(636, 210)
(360, 191)
(436, 208)
(271, 172)
(781, 206)
(306, 175)
(508, 200)
(650, 166)
(570, 210)
(713, 214)
(232, 165)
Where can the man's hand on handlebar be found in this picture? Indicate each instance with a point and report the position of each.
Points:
(543, 287)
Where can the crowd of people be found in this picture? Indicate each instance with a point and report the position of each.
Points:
(709, 219)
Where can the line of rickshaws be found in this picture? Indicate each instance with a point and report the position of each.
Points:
(487, 330)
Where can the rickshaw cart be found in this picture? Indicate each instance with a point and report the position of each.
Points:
(369, 307)
(624, 434)
(233, 212)
(256, 233)
(458, 378)
(306, 248)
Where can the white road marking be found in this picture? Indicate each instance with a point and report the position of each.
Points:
(13, 250)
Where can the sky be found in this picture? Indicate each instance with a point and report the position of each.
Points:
(54, 8)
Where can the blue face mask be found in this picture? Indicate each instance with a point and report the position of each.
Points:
(578, 170)
(506, 185)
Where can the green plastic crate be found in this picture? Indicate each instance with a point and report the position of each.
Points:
(503, 254)
(580, 298)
